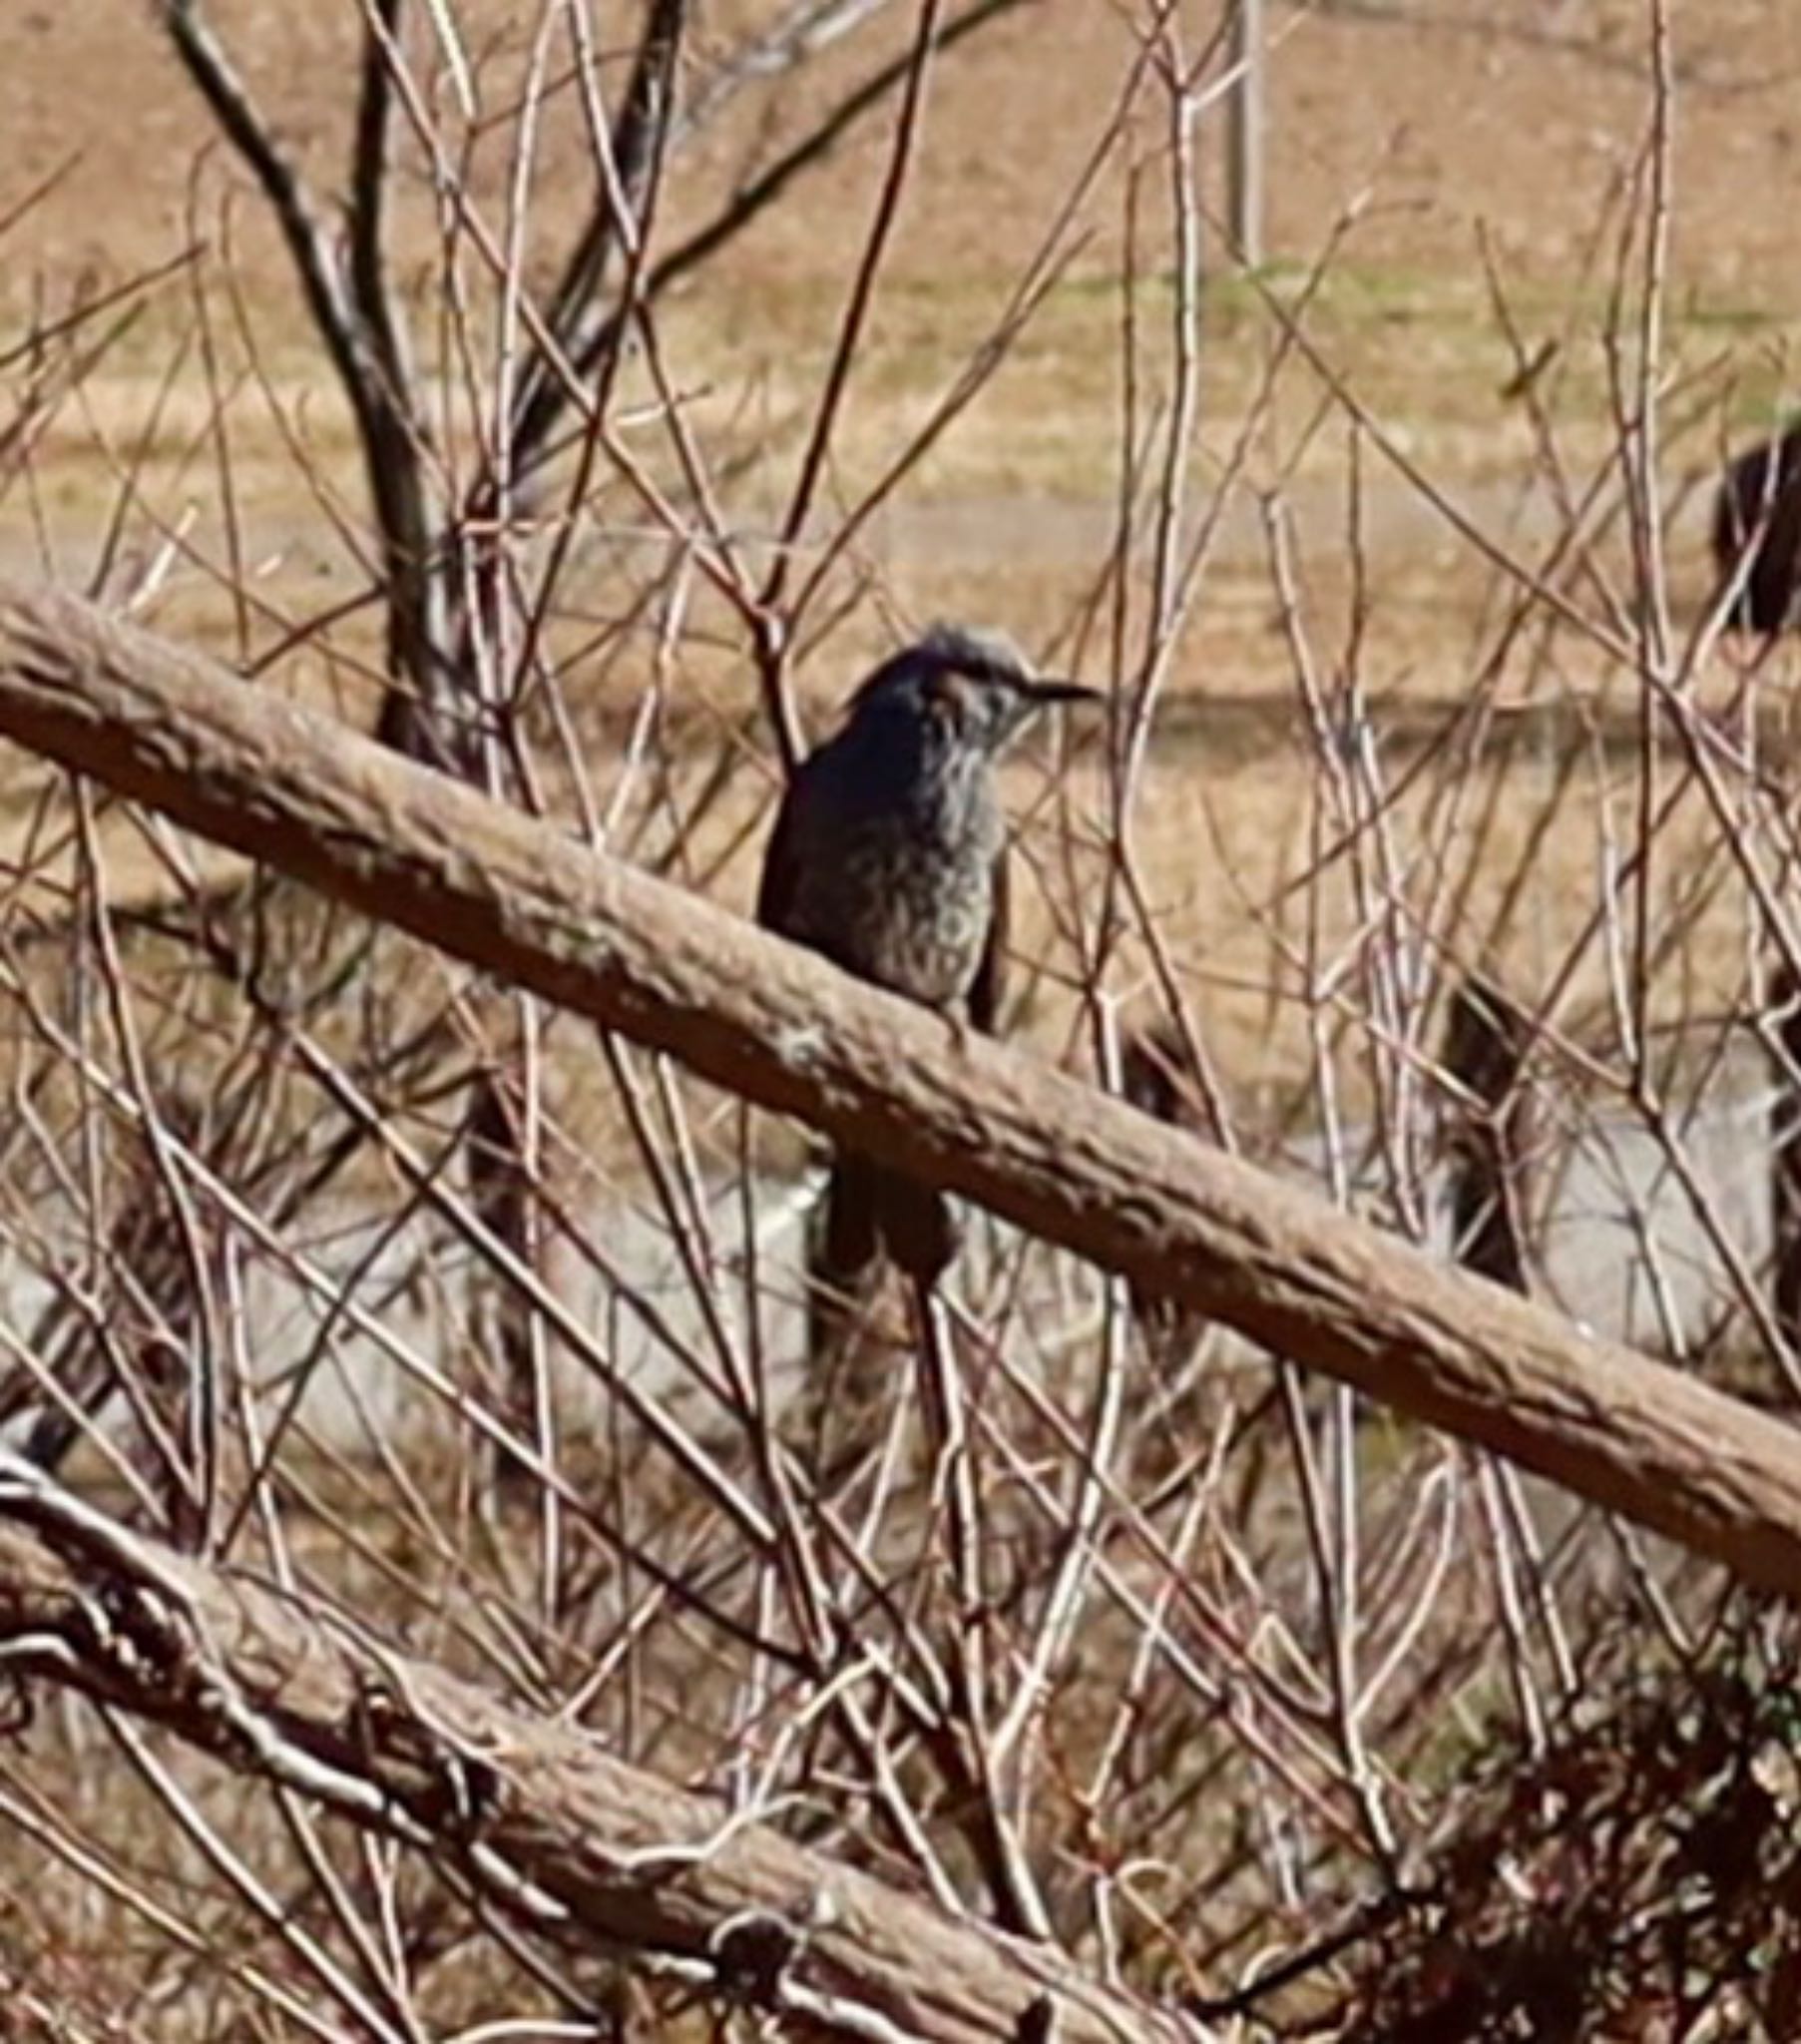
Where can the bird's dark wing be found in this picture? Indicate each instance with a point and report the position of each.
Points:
(775, 891)
(989, 986)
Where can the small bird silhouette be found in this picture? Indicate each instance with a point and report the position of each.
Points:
(888, 857)
(1756, 534)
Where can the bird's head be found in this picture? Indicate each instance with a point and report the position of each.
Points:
(977, 686)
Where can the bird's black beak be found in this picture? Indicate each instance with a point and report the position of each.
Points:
(1046, 693)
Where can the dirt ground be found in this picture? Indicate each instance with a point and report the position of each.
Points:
(1517, 116)
(1455, 133)
(1447, 128)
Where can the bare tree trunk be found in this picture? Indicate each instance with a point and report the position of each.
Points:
(444, 564)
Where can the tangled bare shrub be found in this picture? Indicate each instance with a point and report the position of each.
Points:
(1639, 1878)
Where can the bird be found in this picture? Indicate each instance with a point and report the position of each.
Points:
(1757, 514)
(888, 856)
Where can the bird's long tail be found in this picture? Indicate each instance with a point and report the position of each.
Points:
(843, 1249)
(917, 1227)
(867, 1211)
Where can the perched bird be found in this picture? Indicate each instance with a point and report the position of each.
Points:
(1757, 513)
(888, 856)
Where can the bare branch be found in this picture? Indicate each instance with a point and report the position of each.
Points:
(369, 170)
(764, 190)
(862, 295)
(350, 305)
(805, 28)
(581, 319)
(303, 227)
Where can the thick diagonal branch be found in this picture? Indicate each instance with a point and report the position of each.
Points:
(532, 1816)
(789, 1032)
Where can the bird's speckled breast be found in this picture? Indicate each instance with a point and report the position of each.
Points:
(897, 883)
